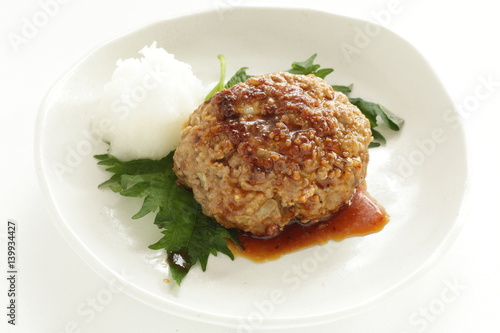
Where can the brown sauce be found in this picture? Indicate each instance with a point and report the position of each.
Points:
(362, 217)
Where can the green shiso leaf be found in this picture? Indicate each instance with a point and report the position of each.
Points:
(189, 236)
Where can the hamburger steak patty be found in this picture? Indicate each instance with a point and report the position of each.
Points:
(275, 148)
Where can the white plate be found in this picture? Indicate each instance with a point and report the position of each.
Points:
(420, 176)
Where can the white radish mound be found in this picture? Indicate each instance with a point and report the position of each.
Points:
(146, 103)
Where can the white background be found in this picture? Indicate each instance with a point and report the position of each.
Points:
(461, 293)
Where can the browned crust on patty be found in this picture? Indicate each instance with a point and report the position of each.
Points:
(274, 148)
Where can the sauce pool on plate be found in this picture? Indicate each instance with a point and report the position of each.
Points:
(362, 217)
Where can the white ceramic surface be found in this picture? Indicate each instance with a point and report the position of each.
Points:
(420, 176)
